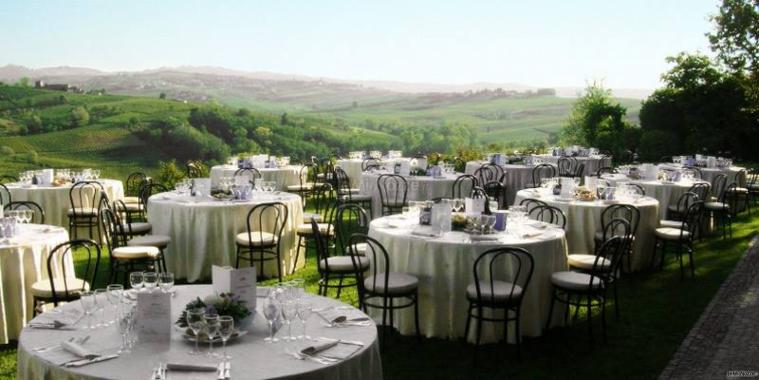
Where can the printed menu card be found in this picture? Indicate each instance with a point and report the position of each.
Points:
(240, 282)
(154, 316)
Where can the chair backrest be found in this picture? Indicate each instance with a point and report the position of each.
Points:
(134, 184)
(463, 185)
(719, 182)
(124, 216)
(741, 178)
(377, 255)
(697, 173)
(488, 265)
(637, 188)
(193, 170)
(85, 195)
(349, 218)
(692, 220)
(270, 217)
(685, 200)
(327, 168)
(370, 163)
(252, 174)
(566, 166)
(113, 229)
(752, 178)
(38, 216)
(530, 203)
(149, 190)
(608, 258)
(541, 172)
(489, 173)
(393, 191)
(579, 171)
(342, 181)
(548, 214)
(8, 179)
(56, 262)
(701, 189)
(497, 190)
(613, 213)
(730, 198)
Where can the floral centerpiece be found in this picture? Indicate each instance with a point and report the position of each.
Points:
(459, 221)
(222, 304)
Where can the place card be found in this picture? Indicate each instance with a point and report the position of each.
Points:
(154, 316)
(474, 206)
(240, 282)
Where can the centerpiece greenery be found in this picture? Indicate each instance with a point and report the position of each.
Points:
(222, 304)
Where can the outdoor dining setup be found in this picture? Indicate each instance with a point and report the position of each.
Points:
(486, 250)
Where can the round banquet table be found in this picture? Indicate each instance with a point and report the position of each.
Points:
(667, 193)
(251, 357)
(284, 176)
(420, 188)
(23, 261)
(203, 231)
(584, 220)
(708, 174)
(55, 200)
(443, 266)
(592, 164)
(517, 177)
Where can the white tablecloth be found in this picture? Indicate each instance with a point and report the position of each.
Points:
(23, 261)
(203, 232)
(584, 220)
(420, 188)
(667, 193)
(55, 201)
(708, 174)
(352, 168)
(592, 164)
(251, 357)
(284, 176)
(444, 268)
(517, 177)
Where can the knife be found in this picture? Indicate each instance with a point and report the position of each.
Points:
(84, 362)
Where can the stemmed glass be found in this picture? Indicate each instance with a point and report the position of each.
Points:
(196, 323)
(166, 281)
(101, 302)
(271, 312)
(28, 215)
(126, 326)
(289, 313)
(87, 299)
(114, 294)
(136, 280)
(212, 329)
(149, 280)
(226, 329)
(304, 313)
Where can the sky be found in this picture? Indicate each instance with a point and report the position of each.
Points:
(537, 42)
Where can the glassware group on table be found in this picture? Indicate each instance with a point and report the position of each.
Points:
(12, 218)
(59, 176)
(284, 305)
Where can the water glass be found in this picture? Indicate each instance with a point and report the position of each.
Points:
(166, 281)
(197, 323)
(272, 313)
(136, 280)
(114, 294)
(150, 280)
(126, 327)
(212, 329)
(87, 300)
(101, 303)
(289, 313)
(304, 313)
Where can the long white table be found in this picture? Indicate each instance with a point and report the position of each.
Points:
(251, 357)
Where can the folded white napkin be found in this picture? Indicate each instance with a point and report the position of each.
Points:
(425, 233)
(78, 350)
(490, 237)
(528, 235)
(317, 348)
(188, 367)
(335, 349)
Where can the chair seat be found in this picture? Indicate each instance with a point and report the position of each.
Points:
(41, 289)
(502, 291)
(343, 264)
(307, 217)
(135, 252)
(83, 211)
(671, 223)
(575, 281)
(137, 228)
(585, 262)
(356, 198)
(675, 209)
(133, 206)
(305, 229)
(128, 200)
(669, 233)
(299, 187)
(738, 190)
(158, 241)
(716, 206)
(398, 284)
(258, 238)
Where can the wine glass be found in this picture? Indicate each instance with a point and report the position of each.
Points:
(196, 323)
(289, 313)
(304, 313)
(166, 281)
(149, 280)
(28, 215)
(87, 300)
(212, 329)
(126, 325)
(226, 330)
(136, 280)
(271, 312)
(101, 301)
(114, 294)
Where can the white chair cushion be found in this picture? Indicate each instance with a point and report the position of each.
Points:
(135, 252)
(398, 283)
(360, 248)
(133, 206)
(669, 233)
(158, 241)
(83, 211)
(574, 280)
(739, 190)
(716, 206)
(307, 217)
(502, 291)
(306, 229)
(130, 200)
(585, 262)
(304, 187)
(356, 198)
(137, 228)
(342, 263)
(42, 288)
(670, 223)
(258, 238)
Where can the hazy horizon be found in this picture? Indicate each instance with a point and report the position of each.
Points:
(541, 44)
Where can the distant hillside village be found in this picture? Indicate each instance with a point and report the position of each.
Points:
(57, 87)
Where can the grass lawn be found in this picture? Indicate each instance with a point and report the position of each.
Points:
(658, 310)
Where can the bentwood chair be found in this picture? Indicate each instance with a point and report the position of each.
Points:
(496, 292)
(134, 184)
(252, 174)
(125, 259)
(325, 218)
(258, 245)
(305, 186)
(393, 191)
(347, 194)
(548, 214)
(350, 219)
(724, 209)
(566, 166)
(463, 185)
(149, 190)
(676, 212)
(739, 194)
(38, 213)
(60, 285)
(681, 237)
(497, 192)
(381, 288)
(626, 212)
(489, 173)
(340, 267)
(588, 289)
(131, 228)
(84, 198)
(541, 172)
(531, 203)
(370, 163)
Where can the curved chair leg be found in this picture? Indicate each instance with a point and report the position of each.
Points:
(237, 256)
(479, 325)
(468, 321)
(518, 333)
(590, 317)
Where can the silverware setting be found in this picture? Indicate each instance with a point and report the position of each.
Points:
(58, 345)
